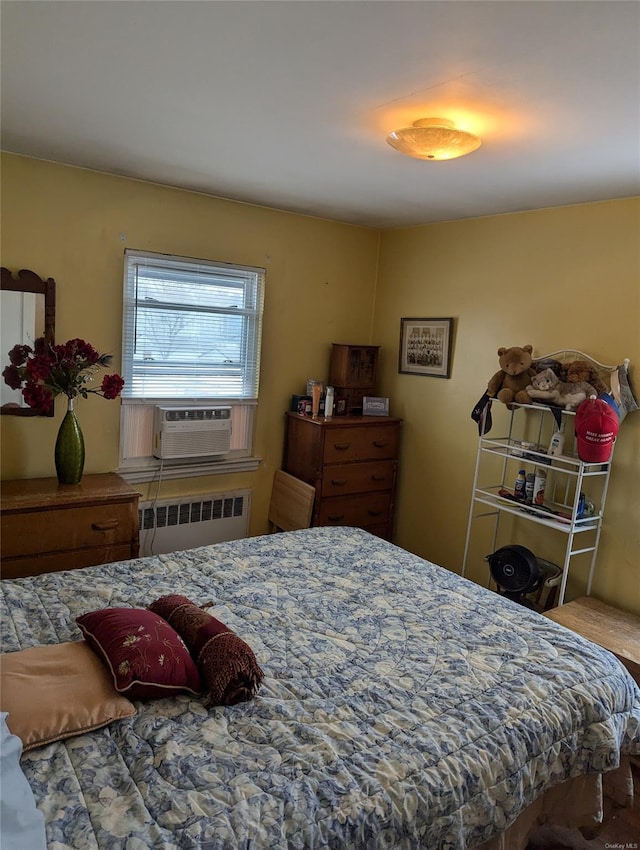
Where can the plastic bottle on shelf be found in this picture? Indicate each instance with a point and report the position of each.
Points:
(556, 444)
(520, 485)
(328, 403)
(316, 391)
(539, 485)
(528, 487)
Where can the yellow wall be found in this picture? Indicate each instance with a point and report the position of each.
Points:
(556, 278)
(66, 223)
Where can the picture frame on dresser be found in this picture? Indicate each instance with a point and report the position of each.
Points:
(425, 347)
(375, 406)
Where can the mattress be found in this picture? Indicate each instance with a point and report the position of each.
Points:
(402, 706)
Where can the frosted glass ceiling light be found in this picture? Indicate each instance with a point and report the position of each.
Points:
(433, 138)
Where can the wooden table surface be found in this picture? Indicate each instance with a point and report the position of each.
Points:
(615, 630)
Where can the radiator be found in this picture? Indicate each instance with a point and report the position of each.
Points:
(184, 522)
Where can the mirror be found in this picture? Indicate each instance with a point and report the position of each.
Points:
(28, 311)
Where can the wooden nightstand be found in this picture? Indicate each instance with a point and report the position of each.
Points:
(617, 631)
(46, 526)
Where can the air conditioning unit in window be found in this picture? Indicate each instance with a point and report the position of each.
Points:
(189, 432)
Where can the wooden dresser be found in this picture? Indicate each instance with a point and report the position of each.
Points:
(352, 463)
(46, 526)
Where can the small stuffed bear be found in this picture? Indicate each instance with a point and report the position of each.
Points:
(547, 387)
(510, 383)
(582, 370)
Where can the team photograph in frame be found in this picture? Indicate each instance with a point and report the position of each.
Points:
(425, 347)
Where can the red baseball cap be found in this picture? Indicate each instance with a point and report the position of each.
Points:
(596, 428)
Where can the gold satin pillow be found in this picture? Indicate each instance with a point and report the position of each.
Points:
(57, 691)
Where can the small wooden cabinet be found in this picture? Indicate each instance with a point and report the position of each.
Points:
(353, 365)
(352, 462)
(46, 526)
(352, 373)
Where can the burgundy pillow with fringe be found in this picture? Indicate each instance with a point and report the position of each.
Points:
(228, 668)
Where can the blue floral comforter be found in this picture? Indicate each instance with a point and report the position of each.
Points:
(402, 707)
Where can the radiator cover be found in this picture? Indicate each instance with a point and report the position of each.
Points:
(184, 522)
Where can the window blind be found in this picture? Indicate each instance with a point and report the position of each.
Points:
(191, 328)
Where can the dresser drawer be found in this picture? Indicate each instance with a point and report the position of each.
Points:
(344, 445)
(59, 529)
(366, 476)
(38, 564)
(359, 511)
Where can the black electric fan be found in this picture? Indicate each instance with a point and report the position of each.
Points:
(516, 571)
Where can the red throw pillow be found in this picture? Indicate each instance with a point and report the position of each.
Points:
(229, 669)
(146, 656)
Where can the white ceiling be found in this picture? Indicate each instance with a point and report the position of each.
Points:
(287, 104)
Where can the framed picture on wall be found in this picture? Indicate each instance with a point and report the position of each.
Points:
(425, 347)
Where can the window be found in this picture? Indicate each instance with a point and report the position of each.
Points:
(191, 335)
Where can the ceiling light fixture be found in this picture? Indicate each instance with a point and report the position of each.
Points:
(433, 138)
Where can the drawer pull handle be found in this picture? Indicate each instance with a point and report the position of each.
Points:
(378, 477)
(341, 446)
(335, 517)
(380, 444)
(374, 513)
(338, 482)
(105, 526)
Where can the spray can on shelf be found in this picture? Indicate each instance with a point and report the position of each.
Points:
(539, 485)
(520, 485)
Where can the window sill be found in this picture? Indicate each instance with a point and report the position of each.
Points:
(151, 471)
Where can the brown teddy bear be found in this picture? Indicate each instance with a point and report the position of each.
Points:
(510, 383)
(579, 371)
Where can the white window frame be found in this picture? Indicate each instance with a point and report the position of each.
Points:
(136, 415)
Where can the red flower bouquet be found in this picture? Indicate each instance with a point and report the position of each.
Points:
(45, 371)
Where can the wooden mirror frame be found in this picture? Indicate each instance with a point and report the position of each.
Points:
(28, 281)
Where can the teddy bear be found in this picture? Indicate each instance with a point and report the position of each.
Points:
(582, 370)
(547, 387)
(509, 384)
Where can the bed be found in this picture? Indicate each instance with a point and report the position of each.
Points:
(402, 707)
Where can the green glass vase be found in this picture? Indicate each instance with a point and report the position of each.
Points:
(69, 452)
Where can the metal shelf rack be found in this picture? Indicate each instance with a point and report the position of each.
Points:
(561, 508)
